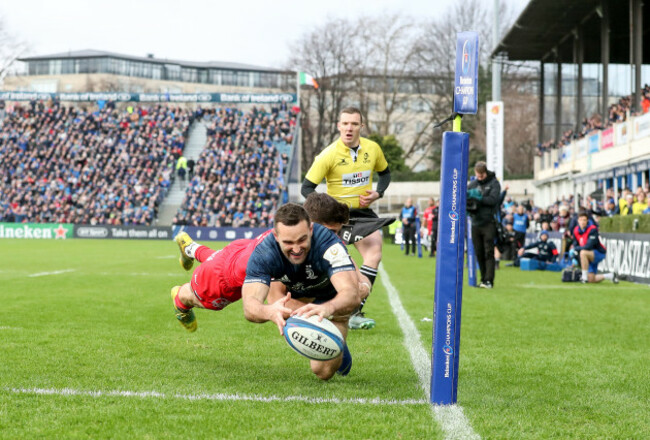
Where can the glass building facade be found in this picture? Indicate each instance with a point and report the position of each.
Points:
(159, 70)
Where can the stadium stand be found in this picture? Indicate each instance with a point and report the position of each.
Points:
(73, 165)
(238, 179)
(617, 112)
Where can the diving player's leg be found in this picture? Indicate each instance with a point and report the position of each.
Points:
(191, 250)
(184, 301)
(342, 364)
(207, 289)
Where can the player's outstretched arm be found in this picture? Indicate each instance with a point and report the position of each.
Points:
(253, 296)
(347, 298)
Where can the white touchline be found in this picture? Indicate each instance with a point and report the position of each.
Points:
(451, 418)
(217, 396)
(56, 272)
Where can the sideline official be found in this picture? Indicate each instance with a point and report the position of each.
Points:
(483, 195)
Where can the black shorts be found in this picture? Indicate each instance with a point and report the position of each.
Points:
(362, 213)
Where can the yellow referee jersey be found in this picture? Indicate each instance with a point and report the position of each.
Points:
(348, 175)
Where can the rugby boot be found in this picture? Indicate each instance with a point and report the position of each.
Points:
(184, 241)
(185, 317)
(358, 321)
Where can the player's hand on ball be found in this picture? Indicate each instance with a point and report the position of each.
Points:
(321, 310)
(280, 311)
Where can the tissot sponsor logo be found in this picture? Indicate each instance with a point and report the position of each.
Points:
(361, 178)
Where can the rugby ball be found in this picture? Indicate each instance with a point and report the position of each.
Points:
(320, 341)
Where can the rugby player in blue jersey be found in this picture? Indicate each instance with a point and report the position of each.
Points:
(319, 276)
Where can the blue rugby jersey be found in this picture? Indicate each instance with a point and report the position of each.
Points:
(326, 257)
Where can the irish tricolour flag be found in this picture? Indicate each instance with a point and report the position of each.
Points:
(308, 80)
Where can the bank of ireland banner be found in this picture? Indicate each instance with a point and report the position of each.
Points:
(234, 98)
(466, 85)
(494, 137)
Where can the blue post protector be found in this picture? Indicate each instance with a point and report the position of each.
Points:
(449, 267)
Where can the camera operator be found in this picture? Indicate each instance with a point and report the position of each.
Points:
(483, 196)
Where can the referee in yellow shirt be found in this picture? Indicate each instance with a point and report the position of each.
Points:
(347, 166)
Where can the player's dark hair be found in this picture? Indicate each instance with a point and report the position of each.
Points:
(291, 214)
(352, 111)
(324, 209)
(583, 214)
(480, 167)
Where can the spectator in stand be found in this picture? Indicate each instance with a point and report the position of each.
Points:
(611, 208)
(641, 203)
(408, 215)
(237, 177)
(628, 206)
(562, 219)
(622, 201)
(190, 168)
(101, 166)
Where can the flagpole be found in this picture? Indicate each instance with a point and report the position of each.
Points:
(298, 87)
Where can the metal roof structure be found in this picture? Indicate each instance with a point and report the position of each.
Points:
(548, 27)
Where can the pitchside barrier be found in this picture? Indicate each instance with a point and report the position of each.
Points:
(62, 231)
(627, 254)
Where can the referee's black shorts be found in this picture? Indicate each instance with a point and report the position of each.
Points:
(362, 213)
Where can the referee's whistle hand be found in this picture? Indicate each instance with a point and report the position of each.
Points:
(371, 196)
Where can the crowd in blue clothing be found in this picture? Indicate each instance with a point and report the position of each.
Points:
(68, 164)
(238, 179)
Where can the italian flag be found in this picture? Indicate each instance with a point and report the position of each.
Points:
(307, 80)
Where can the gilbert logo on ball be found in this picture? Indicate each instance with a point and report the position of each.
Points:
(315, 340)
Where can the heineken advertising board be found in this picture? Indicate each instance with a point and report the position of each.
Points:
(44, 231)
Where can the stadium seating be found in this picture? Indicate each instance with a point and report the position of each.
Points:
(238, 178)
(102, 166)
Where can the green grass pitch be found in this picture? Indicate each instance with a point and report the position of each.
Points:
(90, 348)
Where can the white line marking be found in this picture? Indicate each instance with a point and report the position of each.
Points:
(166, 257)
(56, 272)
(451, 418)
(217, 397)
(4, 327)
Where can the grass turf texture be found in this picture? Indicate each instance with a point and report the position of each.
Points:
(539, 359)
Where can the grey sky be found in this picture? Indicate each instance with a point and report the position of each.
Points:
(248, 31)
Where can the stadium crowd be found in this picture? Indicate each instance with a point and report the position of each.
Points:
(617, 112)
(69, 164)
(238, 179)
